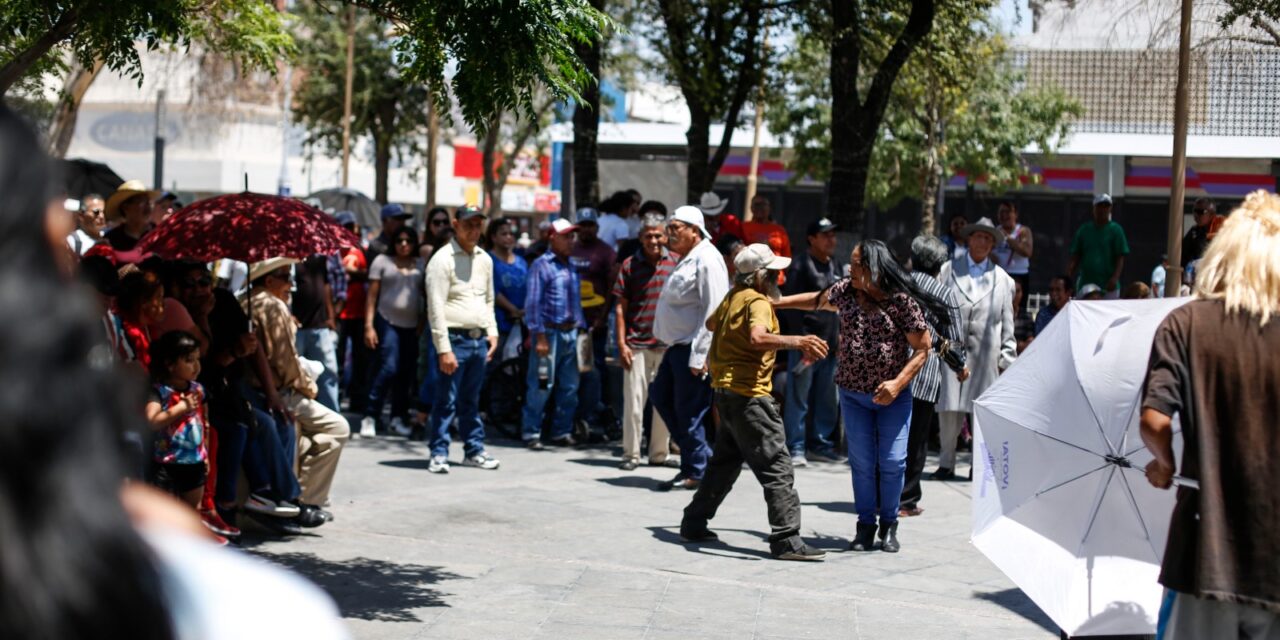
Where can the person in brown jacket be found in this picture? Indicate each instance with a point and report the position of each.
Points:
(1214, 364)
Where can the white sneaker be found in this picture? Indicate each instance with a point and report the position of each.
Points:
(481, 460)
(399, 428)
(439, 464)
(368, 427)
(799, 461)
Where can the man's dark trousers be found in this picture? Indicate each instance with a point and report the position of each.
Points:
(684, 402)
(922, 415)
(750, 430)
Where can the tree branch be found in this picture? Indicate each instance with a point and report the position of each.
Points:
(747, 75)
(918, 25)
(61, 30)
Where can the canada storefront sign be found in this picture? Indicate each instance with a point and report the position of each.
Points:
(131, 131)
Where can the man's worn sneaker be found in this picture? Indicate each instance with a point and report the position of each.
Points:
(258, 503)
(533, 444)
(799, 461)
(438, 464)
(690, 533)
(802, 552)
(368, 427)
(826, 456)
(398, 427)
(482, 460)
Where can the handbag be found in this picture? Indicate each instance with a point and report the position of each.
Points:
(511, 348)
(951, 354)
(586, 357)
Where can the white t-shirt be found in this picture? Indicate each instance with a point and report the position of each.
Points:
(613, 230)
(219, 594)
(400, 297)
(81, 242)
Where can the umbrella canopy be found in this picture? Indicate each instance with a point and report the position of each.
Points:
(343, 199)
(82, 177)
(249, 227)
(1060, 500)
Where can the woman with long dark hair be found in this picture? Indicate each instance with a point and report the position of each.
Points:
(884, 342)
(394, 319)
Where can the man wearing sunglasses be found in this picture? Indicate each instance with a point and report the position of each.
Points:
(1198, 237)
(90, 221)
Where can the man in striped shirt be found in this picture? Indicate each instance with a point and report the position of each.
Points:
(636, 290)
(928, 253)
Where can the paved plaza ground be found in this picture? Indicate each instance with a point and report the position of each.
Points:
(563, 544)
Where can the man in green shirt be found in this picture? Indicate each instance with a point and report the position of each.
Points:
(1098, 250)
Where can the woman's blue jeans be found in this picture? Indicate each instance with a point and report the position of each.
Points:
(877, 439)
(397, 368)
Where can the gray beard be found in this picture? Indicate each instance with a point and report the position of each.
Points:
(770, 290)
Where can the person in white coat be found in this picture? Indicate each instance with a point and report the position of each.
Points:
(985, 293)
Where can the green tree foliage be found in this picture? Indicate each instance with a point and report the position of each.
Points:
(386, 106)
(42, 36)
(958, 104)
(1263, 15)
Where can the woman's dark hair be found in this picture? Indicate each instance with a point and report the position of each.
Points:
(168, 349)
(653, 205)
(491, 231)
(71, 564)
(616, 203)
(891, 278)
(434, 211)
(135, 290)
(404, 231)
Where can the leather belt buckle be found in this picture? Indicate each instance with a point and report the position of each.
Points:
(475, 334)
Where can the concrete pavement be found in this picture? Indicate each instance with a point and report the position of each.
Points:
(563, 544)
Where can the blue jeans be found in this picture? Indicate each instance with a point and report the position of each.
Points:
(564, 382)
(271, 451)
(877, 437)
(459, 395)
(321, 345)
(684, 402)
(398, 363)
(817, 380)
(427, 389)
(591, 386)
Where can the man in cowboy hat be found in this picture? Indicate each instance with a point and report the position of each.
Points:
(985, 293)
(717, 221)
(131, 205)
(322, 432)
(680, 392)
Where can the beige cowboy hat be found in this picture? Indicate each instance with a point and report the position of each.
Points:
(128, 189)
(711, 204)
(986, 226)
(259, 269)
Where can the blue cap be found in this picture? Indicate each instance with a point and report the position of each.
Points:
(588, 214)
(345, 217)
(394, 210)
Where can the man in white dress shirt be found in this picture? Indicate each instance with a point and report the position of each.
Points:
(681, 391)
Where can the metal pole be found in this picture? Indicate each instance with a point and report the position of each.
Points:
(283, 188)
(346, 96)
(157, 180)
(752, 178)
(1173, 273)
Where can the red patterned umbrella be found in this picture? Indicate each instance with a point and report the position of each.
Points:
(249, 227)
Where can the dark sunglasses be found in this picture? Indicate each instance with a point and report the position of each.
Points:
(285, 275)
(404, 241)
(202, 281)
(675, 227)
(439, 222)
(1200, 211)
(93, 211)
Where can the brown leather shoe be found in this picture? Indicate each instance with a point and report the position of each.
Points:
(908, 512)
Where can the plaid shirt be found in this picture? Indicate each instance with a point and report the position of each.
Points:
(337, 278)
(929, 380)
(554, 296)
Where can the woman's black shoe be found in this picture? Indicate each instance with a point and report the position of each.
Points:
(864, 539)
(889, 537)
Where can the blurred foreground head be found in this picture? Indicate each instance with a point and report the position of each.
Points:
(71, 566)
(1241, 266)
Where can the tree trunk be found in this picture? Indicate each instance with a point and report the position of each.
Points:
(586, 127)
(433, 142)
(855, 124)
(13, 71)
(488, 154)
(698, 136)
(63, 124)
(932, 172)
(381, 166)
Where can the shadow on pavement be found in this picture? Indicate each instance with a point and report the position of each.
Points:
(633, 482)
(597, 462)
(370, 589)
(837, 507)
(714, 547)
(411, 463)
(1016, 601)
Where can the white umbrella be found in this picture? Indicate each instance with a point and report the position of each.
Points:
(1060, 500)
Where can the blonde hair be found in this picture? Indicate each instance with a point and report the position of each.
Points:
(1241, 267)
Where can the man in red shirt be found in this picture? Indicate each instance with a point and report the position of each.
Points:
(355, 379)
(718, 223)
(762, 229)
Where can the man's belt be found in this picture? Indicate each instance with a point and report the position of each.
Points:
(474, 334)
(561, 326)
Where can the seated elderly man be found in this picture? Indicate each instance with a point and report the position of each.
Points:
(321, 430)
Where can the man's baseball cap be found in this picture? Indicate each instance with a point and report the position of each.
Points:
(345, 218)
(759, 256)
(394, 210)
(588, 214)
(689, 214)
(560, 227)
(467, 212)
(1104, 198)
(822, 225)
